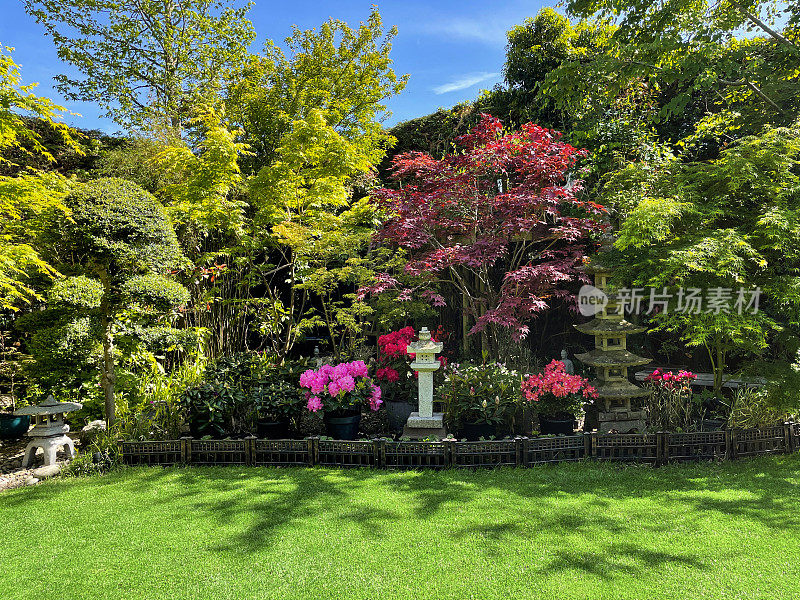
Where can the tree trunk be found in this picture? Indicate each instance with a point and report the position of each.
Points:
(107, 376)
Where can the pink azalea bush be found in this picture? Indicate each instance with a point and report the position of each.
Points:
(555, 392)
(340, 388)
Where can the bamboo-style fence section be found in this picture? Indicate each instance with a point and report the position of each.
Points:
(649, 448)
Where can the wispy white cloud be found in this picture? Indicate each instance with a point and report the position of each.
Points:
(464, 82)
(490, 31)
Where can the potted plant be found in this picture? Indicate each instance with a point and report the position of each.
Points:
(341, 391)
(276, 403)
(480, 401)
(557, 397)
(214, 409)
(11, 425)
(396, 377)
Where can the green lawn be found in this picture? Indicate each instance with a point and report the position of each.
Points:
(569, 531)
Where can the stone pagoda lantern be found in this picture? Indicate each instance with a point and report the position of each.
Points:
(425, 423)
(49, 430)
(610, 358)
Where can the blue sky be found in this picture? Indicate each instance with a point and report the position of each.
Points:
(452, 49)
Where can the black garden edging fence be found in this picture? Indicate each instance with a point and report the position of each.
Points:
(652, 448)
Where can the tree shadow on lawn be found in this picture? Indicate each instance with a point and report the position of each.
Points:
(505, 505)
(626, 560)
(757, 491)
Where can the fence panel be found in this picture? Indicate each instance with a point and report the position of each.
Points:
(219, 452)
(282, 453)
(656, 448)
(626, 447)
(543, 450)
(701, 445)
(152, 453)
(338, 453)
(416, 455)
(756, 442)
(489, 453)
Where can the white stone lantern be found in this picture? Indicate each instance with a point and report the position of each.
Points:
(49, 430)
(425, 422)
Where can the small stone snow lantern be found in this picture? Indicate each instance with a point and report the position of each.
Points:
(425, 423)
(49, 430)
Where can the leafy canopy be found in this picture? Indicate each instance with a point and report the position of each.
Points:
(498, 221)
(146, 62)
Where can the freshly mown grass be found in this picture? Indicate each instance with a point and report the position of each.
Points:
(727, 530)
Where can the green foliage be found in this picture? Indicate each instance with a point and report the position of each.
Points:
(240, 388)
(15, 99)
(488, 393)
(120, 228)
(28, 202)
(77, 292)
(671, 409)
(136, 159)
(320, 233)
(727, 58)
(216, 410)
(120, 236)
(727, 223)
(155, 291)
(751, 409)
(341, 73)
(154, 410)
(65, 354)
(146, 63)
(97, 458)
(198, 181)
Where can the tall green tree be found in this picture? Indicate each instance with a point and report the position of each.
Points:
(303, 202)
(120, 239)
(146, 62)
(725, 224)
(343, 73)
(743, 53)
(25, 199)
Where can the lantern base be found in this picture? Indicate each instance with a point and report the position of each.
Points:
(622, 421)
(50, 446)
(420, 428)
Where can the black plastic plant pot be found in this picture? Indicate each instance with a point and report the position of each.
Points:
(556, 425)
(398, 413)
(712, 424)
(272, 430)
(13, 427)
(342, 427)
(476, 431)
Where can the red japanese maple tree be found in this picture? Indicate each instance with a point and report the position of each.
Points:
(498, 220)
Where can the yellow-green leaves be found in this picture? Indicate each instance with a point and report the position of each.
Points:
(310, 173)
(200, 181)
(16, 98)
(652, 221)
(27, 203)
